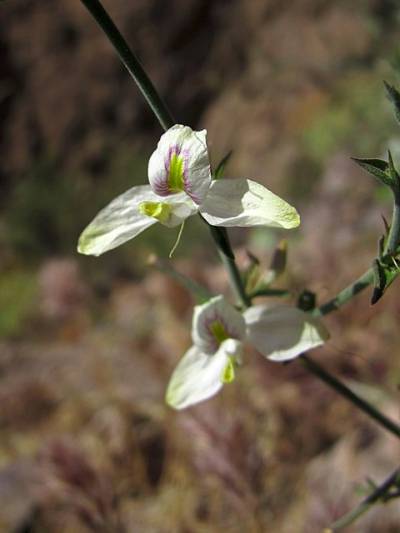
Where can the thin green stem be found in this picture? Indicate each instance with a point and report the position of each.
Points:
(131, 62)
(346, 294)
(379, 494)
(235, 280)
(269, 292)
(347, 393)
(222, 242)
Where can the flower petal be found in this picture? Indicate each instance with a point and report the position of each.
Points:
(282, 333)
(129, 214)
(242, 202)
(214, 322)
(180, 163)
(199, 376)
(118, 222)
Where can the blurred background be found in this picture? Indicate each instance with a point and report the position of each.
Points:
(87, 345)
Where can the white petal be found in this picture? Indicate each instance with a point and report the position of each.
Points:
(118, 222)
(242, 202)
(190, 148)
(198, 376)
(282, 333)
(214, 322)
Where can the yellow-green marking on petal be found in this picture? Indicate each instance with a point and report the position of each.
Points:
(159, 210)
(218, 331)
(228, 373)
(175, 174)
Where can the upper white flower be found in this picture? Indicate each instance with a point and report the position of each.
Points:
(218, 332)
(180, 186)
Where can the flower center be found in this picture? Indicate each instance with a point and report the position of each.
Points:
(159, 210)
(176, 179)
(218, 331)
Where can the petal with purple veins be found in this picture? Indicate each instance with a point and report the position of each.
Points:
(180, 164)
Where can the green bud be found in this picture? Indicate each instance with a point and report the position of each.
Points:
(306, 301)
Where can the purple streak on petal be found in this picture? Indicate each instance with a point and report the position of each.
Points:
(160, 187)
(187, 185)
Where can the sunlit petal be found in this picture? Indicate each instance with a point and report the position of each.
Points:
(118, 222)
(282, 333)
(242, 202)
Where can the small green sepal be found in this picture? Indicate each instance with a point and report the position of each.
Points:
(278, 262)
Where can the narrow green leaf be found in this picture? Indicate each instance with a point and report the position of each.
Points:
(386, 224)
(219, 171)
(385, 271)
(381, 246)
(394, 96)
(376, 167)
(393, 172)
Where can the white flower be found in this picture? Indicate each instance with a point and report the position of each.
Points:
(180, 186)
(218, 333)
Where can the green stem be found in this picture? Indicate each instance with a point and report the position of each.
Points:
(235, 280)
(222, 242)
(130, 61)
(346, 294)
(347, 393)
(377, 495)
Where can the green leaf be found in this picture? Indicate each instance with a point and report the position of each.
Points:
(385, 272)
(394, 96)
(378, 168)
(219, 171)
(393, 172)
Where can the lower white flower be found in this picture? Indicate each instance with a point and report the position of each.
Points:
(180, 186)
(218, 332)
